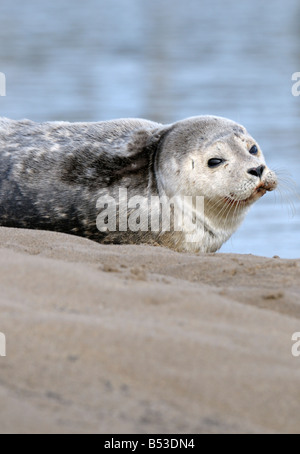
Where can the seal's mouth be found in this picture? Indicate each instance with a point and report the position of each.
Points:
(258, 192)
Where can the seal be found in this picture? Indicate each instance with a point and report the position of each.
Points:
(52, 176)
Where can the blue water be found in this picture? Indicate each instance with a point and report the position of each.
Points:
(166, 60)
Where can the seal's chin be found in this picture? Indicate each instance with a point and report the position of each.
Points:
(258, 192)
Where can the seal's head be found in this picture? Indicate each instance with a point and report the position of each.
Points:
(215, 158)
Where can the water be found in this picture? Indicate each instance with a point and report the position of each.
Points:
(166, 60)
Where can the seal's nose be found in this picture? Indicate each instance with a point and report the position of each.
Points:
(257, 171)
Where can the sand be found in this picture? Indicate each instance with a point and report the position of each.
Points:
(138, 339)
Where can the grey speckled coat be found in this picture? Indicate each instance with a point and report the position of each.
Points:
(52, 174)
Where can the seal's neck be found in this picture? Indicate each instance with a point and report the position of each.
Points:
(202, 229)
(205, 224)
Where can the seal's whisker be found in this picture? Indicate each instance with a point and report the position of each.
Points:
(225, 214)
(223, 210)
(280, 171)
(287, 198)
(289, 193)
(215, 205)
(289, 186)
(285, 177)
(226, 210)
(218, 214)
(234, 214)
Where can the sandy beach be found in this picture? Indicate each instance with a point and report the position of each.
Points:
(138, 339)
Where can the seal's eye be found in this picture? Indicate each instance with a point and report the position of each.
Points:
(254, 150)
(215, 162)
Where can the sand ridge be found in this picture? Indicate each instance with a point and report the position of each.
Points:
(140, 339)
